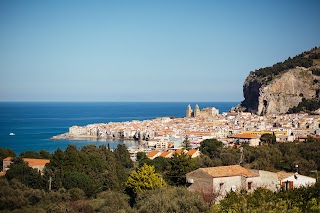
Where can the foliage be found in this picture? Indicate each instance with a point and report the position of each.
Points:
(268, 138)
(99, 167)
(33, 154)
(180, 165)
(172, 199)
(278, 68)
(99, 174)
(141, 156)
(74, 180)
(25, 174)
(186, 143)
(211, 147)
(76, 194)
(308, 106)
(142, 179)
(122, 155)
(111, 201)
(15, 195)
(5, 153)
(263, 200)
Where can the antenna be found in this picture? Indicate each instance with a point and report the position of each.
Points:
(241, 155)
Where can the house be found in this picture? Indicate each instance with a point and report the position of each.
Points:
(296, 181)
(193, 153)
(166, 154)
(251, 139)
(179, 151)
(222, 179)
(153, 154)
(38, 164)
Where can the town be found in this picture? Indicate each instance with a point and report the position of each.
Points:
(232, 128)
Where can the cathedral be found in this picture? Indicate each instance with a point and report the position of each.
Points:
(206, 112)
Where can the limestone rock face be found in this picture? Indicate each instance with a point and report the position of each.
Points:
(283, 92)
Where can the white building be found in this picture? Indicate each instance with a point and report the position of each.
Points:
(222, 179)
(78, 130)
(296, 181)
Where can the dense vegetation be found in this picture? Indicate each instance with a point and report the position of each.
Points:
(96, 179)
(308, 106)
(304, 59)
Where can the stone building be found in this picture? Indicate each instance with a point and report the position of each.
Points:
(38, 164)
(222, 179)
(189, 112)
(206, 112)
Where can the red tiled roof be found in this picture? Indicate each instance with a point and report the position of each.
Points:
(165, 154)
(228, 171)
(32, 161)
(245, 135)
(179, 151)
(152, 153)
(191, 152)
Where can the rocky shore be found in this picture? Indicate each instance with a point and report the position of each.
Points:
(86, 137)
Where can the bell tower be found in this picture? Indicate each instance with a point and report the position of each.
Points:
(188, 111)
(196, 111)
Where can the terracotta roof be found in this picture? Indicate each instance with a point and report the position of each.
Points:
(170, 144)
(283, 175)
(179, 151)
(152, 153)
(36, 162)
(191, 152)
(228, 171)
(245, 135)
(199, 133)
(32, 161)
(7, 159)
(165, 154)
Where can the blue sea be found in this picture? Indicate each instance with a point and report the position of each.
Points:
(34, 123)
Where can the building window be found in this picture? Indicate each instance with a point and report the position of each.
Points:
(249, 185)
(287, 185)
(221, 186)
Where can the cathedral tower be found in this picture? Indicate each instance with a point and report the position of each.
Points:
(196, 111)
(188, 111)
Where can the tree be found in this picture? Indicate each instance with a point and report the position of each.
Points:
(5, 153)
(30, 154)
(25, 174)
(186, 143)
(141, 156)
(172, 199)
(143, 179)
(211, 147)
(268, 138)
(122, 155)
(111, 201)
(180, 165)
(79, 180)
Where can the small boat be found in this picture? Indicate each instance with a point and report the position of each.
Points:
(12, 134)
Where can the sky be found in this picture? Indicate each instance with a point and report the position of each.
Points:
(124, 50)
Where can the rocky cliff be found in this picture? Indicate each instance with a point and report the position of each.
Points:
(276, 89)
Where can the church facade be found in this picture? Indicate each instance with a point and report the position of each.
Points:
(206, 112)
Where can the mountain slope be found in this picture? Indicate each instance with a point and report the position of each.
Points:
(276, 89)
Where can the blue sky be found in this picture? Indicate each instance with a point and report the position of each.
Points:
(146, 50)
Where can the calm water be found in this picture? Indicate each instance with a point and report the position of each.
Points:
(34, 123)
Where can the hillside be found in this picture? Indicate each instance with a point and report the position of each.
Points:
(283, 86)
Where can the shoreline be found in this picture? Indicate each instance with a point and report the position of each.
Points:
(69, 136)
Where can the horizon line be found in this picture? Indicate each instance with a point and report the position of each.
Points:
(120, 101)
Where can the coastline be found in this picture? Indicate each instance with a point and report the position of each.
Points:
(69, 136)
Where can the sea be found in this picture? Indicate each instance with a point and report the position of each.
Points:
(34, 123)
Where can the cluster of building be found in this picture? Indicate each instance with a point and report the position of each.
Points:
(229, 127)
